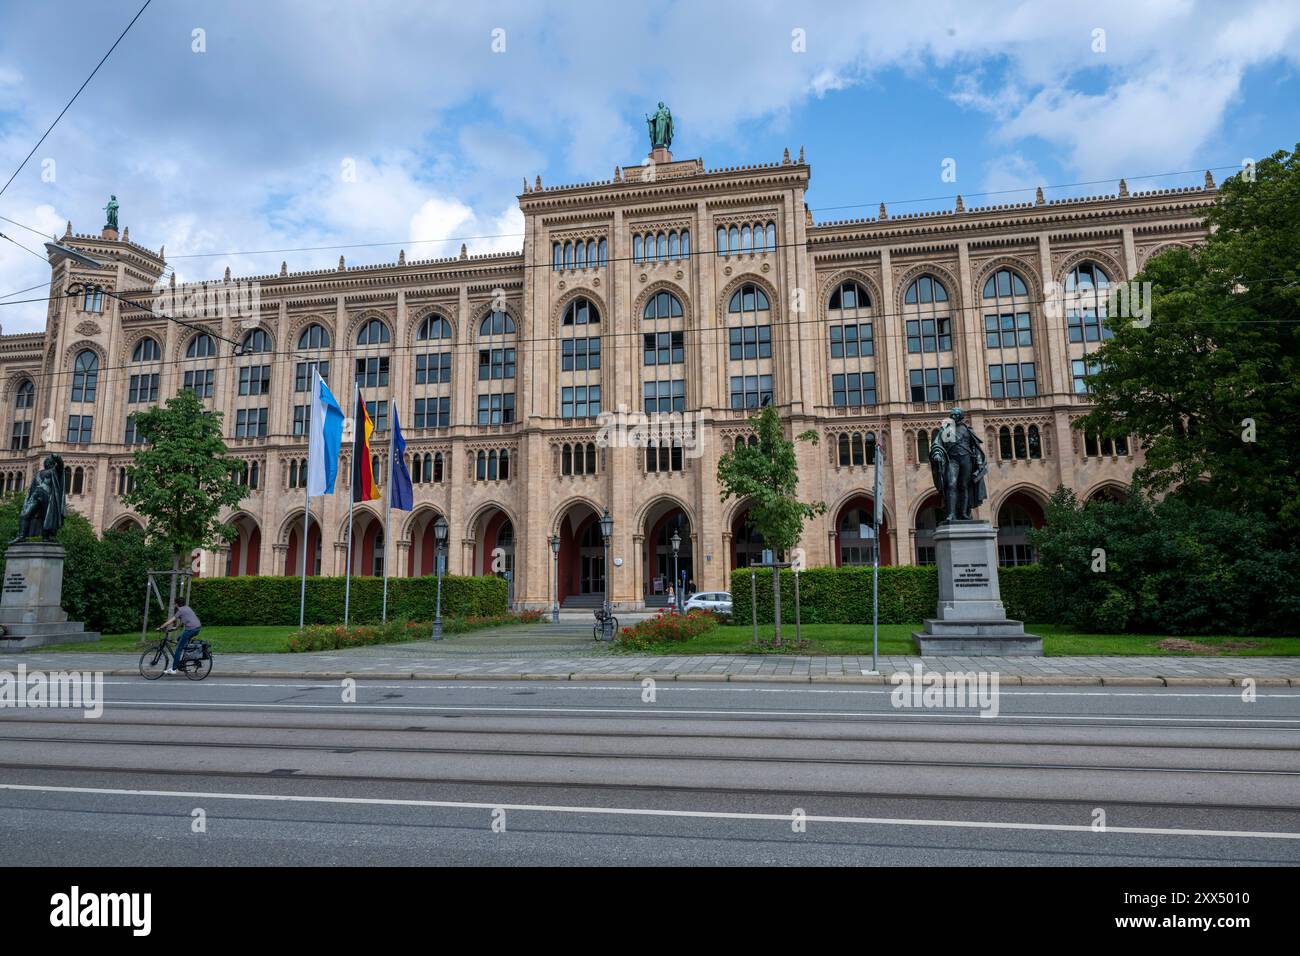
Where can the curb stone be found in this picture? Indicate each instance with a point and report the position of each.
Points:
(714, 677)
(1133, 682)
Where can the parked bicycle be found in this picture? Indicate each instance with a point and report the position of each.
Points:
(196, 662)
(596, 632)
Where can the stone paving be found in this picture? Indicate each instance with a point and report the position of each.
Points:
(567, 652)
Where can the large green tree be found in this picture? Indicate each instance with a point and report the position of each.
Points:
(183, 478)
(1211, 384)
(768, 475)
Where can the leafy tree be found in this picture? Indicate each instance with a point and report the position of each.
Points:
(183, 478)
(103, 578)
(1168, 567)
(1221, 351)
(768, 475)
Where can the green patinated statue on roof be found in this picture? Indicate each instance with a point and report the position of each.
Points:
(661, 127)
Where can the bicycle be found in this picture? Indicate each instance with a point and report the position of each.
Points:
(196, 663)
(597, 630)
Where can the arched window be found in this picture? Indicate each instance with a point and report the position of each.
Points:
(844, 448)
(315, 336)
(26, 397)
(580, 255)
(505, 464)
(1004, 284)
(928, 327)
(201, 346)
(93, 300)
(146, 350)
(591, 458)
(293, 473)
(437, 467)
(771, 237)
(637, 253)
(1004, 443)
(674, 245)
(256, 340)
(481, 466)
(1087, 287)
(581, 311)
(749, 298)
(922, 446)
(722, 240)
(871, 448)
(566, 460)
(568, 254)
(492, 465)
(85, 376)
(746, 239)
(853, 347)
(603, 251)
(1035, 442)
(433, 327)
(497, 322)
(78, 480)
(733, 240)
(661, 247)
(557, 256)
(1014, 525)
(254, 474)
(373, 332)
(859, 457)
(686, 244)
(749, 337)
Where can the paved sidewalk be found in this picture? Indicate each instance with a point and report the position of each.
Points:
(427, 660)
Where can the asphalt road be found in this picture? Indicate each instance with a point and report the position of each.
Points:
(428, 773)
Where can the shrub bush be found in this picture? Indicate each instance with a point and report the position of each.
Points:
(1170, 568)
(103, 578)
(908, 595)
(667, 627)
(322, 637)
(274, 600)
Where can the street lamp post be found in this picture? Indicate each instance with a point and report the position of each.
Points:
(440, 544)
(555, 605)
(607, 622)
(677, 581)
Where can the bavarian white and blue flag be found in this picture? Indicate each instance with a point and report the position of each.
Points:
(325, 438)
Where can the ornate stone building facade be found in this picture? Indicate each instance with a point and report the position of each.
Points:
(671, 287)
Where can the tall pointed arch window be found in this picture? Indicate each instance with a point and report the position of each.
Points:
(927, 324)
(852, 346)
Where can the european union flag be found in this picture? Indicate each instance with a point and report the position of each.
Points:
(402, 498)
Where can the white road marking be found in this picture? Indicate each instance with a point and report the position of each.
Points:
(646, 812)
(562, 683)
(661, 711)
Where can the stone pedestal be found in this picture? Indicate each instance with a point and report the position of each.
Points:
(30, 612)
(971, 620)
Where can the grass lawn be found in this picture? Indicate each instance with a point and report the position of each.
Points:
(835, 639)
(229, 640)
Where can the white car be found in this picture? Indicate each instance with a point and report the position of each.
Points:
(717, 601)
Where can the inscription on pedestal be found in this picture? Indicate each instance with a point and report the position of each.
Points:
(15, 583)
(971, 575)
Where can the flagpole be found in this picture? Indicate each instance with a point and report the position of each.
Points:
(388, 510)
(352, 497)
(302, 594)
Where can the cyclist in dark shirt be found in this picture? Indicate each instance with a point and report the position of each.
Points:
(187, 619)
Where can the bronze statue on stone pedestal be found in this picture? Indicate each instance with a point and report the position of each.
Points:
(958, 466)
(43, 509)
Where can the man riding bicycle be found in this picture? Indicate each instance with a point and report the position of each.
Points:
(187, 619)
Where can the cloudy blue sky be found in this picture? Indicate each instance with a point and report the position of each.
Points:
(242, 147)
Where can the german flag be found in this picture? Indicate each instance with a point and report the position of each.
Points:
(364, 486)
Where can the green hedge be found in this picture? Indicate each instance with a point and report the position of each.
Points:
(274, 600)
(908, 595)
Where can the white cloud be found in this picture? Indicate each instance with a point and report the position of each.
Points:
(239, 148)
